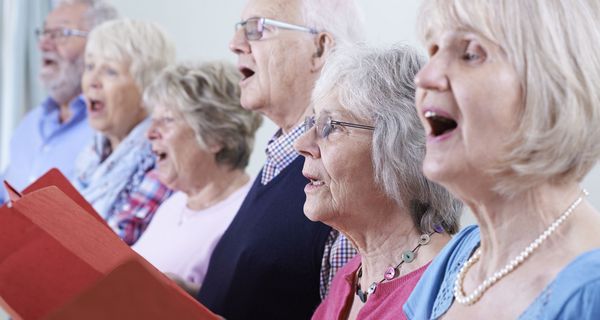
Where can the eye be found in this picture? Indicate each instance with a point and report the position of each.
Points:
(474, 53)
(89, 67)
(111, 71)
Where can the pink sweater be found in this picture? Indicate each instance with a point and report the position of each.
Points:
(385, 303)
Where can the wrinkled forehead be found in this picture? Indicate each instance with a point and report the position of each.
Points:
(284, 10)
(437, 16)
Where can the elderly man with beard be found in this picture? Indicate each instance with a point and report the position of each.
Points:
(53, 134)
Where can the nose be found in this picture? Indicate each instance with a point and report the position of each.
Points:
(239, 44)
(307, 145)
(434, 75)
(152, 133)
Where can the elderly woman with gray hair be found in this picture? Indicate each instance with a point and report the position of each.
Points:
(114, 174)
(202, 138)
(364, 149)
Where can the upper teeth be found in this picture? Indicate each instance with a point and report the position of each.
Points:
(430, 114)
(316, 183)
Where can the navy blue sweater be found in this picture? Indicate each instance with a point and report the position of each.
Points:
(267, 264)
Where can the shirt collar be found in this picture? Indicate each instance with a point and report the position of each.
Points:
(76, 105)
(281, 145)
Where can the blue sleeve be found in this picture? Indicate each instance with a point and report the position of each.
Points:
(583, 304)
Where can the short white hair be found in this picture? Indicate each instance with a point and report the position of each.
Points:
(553, 46)
(143, 45)
(98, 11)
(343, 19)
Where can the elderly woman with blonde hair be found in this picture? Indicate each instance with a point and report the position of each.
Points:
(115, 173)
(202, 138)
(512, 117)
(364, 149)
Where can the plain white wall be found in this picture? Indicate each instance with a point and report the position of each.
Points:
(201, 30)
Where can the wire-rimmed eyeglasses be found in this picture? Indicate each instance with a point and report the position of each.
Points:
(59, 33)
(325, 125)
(254, 27)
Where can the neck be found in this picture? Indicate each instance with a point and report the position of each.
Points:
(65, 113)
(509, 224)
(222, 183)
(382, 246)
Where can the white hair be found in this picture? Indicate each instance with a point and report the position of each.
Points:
(342, 18)
(141, 44)
(98, 11)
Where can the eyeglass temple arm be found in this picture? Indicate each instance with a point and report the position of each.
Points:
(352, 125)
(289, 26)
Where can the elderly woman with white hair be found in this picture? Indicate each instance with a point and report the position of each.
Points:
(115, 173)
(202, 138)
(364, 149)
(513, 121)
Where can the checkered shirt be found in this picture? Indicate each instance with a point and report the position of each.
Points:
(134, 216)
(338, 251)
(280, 153)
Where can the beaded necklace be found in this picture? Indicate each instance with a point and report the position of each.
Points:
(392, 272)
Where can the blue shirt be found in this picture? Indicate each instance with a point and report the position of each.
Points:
(573, 294)
(41, 142)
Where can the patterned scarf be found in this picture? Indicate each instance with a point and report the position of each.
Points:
(105, 178)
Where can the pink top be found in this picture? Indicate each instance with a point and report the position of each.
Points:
(180, 240)
(385, 303)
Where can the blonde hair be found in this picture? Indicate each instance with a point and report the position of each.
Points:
(553, 46)
(142, 45)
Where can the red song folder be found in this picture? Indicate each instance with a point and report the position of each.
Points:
(59, 260)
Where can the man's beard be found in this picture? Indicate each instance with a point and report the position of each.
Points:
(65, 84)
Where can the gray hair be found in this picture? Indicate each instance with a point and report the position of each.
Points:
(342, 18)
(376, 85)
(559, 69)
(98, 11)
(208, 98)
(143, 45)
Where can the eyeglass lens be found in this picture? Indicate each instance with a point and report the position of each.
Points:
(253, 28)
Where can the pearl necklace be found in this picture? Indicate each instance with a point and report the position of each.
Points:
(470, 299)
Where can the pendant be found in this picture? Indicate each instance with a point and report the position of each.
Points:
(361, 295)
(372, 288)
(390, 273)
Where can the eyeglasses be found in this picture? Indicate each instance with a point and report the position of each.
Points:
(326, 125)
(59, 33)
(254, 27)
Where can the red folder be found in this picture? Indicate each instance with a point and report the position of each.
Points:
(57, 257)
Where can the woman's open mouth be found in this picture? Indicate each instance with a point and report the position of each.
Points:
(440, 124)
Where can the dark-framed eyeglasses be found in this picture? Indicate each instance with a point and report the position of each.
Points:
(254, 27)
(326, 125)
(59, 33)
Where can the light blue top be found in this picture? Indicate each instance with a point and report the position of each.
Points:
(573, 294)
(40, 142)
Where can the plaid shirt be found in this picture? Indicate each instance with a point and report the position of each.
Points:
(338, 250)
(134, 216)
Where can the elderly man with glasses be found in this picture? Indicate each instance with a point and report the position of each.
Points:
(54, 133)
(272, 262)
